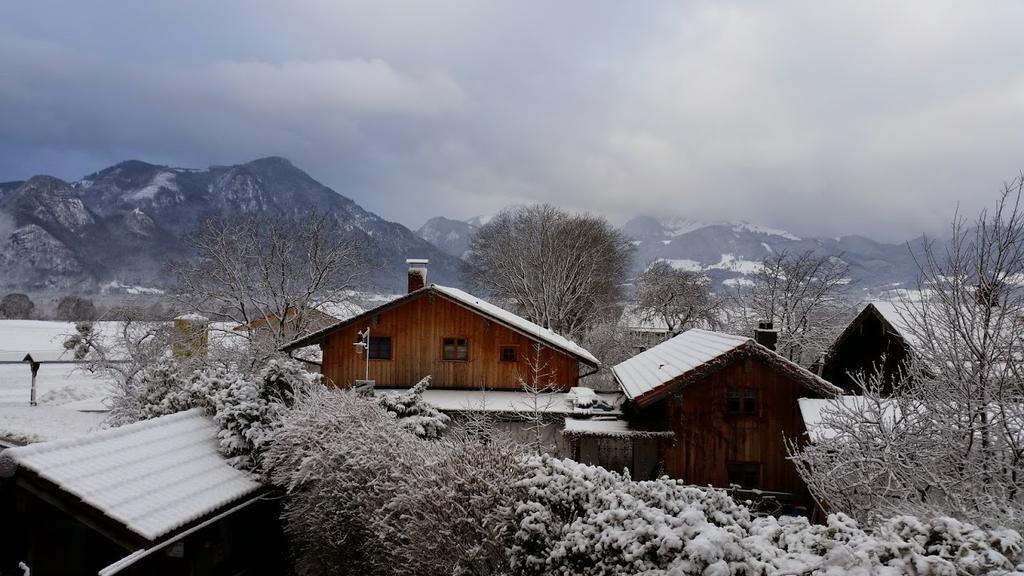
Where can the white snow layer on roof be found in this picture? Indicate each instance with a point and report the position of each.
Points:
(511, 401)
(671, 359)
(517, 322)
(815, 412)
(891, 312)
(153, 476)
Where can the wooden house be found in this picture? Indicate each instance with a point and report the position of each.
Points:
(731, 403)
(876, 341)
(149, 498)
(461, 341)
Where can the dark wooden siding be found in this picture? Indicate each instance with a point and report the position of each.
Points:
(417, 329)
(865, 348)
(707, 437)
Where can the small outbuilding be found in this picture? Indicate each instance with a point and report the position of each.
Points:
(154, 497)
(730, 403)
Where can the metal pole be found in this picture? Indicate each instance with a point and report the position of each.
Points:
(367, 352)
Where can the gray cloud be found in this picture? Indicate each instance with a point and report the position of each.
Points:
(822, 118)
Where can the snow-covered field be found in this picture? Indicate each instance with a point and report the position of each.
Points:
(70, 398)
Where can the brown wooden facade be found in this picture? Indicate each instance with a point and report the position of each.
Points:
(417, 326)
(731, 425)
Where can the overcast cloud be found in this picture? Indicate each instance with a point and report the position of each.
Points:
(818, 117)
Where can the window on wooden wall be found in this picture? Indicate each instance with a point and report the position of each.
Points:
(380, 347)
(455, 349)
(741, 401)
(508, 354)
(744, 474)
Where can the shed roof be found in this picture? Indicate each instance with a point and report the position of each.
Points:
(153, 476)
(691, 355)
(513, 401)
(482, 307)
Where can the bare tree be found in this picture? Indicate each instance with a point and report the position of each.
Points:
(803, 296)
(539, 385)
(950, 438)
(680, 299)
(267, 276)
(557, 269)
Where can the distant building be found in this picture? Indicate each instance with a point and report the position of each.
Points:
(877, 340)
(154, 497)
(644, 330)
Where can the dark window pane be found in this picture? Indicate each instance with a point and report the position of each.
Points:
(508, 354)
(749, 401)
(732, 401)
(380, 347)
(455, 349)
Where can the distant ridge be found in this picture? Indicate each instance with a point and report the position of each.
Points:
(121, 224)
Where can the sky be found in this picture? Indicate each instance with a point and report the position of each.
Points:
(823, 118)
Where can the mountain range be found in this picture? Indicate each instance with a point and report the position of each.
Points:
(117, 228)
(729, 252)
(120, 225)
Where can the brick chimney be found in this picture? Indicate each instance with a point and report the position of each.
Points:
(417, 273)
(766, 335)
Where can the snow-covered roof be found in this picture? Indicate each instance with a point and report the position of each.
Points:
(513, 401)
(890, 312)
(812, 410)
(636, 321)
(608, 428)
(671, 359)
(691, 353)
(517, 322)
(153, 476)
(482, 307)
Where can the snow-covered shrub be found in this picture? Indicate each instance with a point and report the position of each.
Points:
(413, 413)
(368, 496)
(246, 410)
(570, 518)
(160, 388)
(901, 545)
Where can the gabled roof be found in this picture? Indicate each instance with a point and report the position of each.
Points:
(694, 354)
(888, 314)
(153, 476)
(466, 300)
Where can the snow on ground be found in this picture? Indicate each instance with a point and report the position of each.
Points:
(24, 424)
(728, 262)
(70, 399)
(56, 384)
(161, 180)
(746, 226)
(44, 340)
(71, 403)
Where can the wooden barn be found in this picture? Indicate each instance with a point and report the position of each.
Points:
(731, 403)
(872, 342)
(150, 498)
(461, 341)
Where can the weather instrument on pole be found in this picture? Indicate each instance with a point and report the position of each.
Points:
(363, 347)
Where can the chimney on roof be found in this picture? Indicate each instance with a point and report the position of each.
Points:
(417, 273)
(766, 335)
